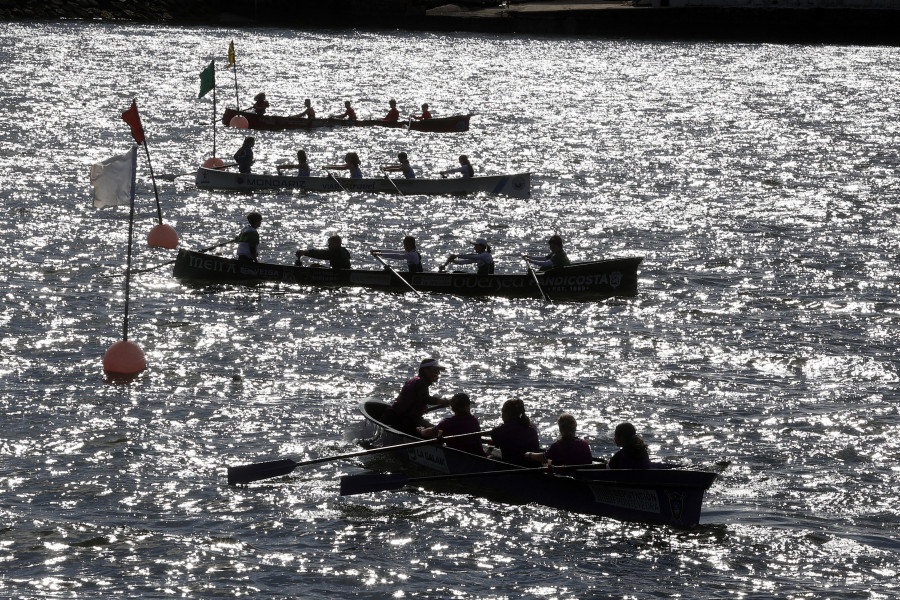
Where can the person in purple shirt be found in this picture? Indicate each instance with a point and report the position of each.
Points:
(462, 421)
(568, 449)
(633, 453)
(516, 435)
(406, 413)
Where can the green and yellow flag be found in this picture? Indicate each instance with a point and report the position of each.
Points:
(207, 79)
(230, 55)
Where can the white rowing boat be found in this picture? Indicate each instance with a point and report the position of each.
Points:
(517, 185)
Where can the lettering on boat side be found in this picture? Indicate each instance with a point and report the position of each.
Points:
(429, 456)
(209, 264)
(632, 499)
(582, 282)
(279, 182)
(260, 272)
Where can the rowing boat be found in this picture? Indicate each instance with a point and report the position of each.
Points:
(662, 495)
(517, 185)
(452, 124)
(579, 281)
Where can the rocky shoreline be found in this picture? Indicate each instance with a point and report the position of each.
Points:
(598, 18)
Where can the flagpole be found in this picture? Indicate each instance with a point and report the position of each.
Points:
(233, 58)
(214, 113)
(152, 178)
(130, 235)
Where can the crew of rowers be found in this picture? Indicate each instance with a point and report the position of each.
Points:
(353, 165)
(339, 257)
(261, 105)
(516, 440)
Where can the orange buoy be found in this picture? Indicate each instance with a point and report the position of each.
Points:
(163, 236)
(213, 163)
(239, 122)
(124, 358)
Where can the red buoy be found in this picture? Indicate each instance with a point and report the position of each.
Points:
(163, 236)
(124, 358)
(213, 163)
(240, 122)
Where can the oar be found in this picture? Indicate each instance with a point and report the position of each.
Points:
(171, 261)
(394, 185)
(396, 274)
(275, 468)
(172, 176)
(536, 282)
(334, 179)
(368, 482)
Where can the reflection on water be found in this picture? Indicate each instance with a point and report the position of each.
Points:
(759, 183)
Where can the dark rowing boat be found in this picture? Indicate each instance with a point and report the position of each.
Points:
(661, 495)
(580, 281)
(453, 124)
(517, 185)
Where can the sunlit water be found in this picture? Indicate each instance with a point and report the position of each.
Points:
(759, 182)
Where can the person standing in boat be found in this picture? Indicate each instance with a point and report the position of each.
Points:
(335, 253)
(409, 253)
(393, 114)
(260, 104)
(516, 436)
(568, 449)
(465, 168)
(351, 164)
(556, 258)
(462, 421)
(634, 453)
(302, 165)
(309, 113)
(248, 239)
(406, 413)
(482, 257)
(348, 113)
(403, 166)
(426, 114)
(244, 156)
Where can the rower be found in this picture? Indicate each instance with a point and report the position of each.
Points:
(465, 168)
(393, 114)
(335, 253)
(309, 113)
(260, 104)
(406, 413)
(409, 253)
(556, 258)
(348, 113)
(481, 257)
(248, 239)
(302, 165)
(568, 449)
(402, 167)
(351, 163)
(425, 113)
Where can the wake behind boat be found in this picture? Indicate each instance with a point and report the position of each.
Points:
(579, 281)
(661, 495)
(452, 124)
(517, 185)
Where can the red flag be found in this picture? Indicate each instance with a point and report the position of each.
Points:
(133, 119)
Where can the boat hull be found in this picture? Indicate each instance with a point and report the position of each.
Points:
(581, 281)
(517, 185)
(452, 124)
(667, 496)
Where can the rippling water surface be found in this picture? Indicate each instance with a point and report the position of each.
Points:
(759, 182)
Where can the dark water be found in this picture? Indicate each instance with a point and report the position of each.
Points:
(759, 182)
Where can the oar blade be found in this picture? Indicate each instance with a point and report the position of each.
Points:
(368, 482)
(255, 472)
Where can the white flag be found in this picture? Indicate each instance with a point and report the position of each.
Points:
(113, 179)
